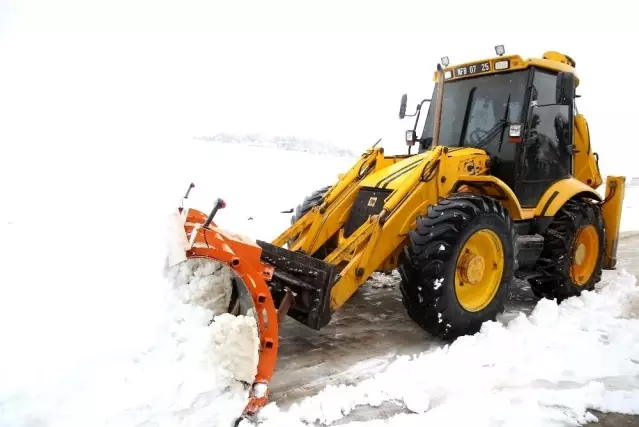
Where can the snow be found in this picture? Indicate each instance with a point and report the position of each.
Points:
(197, 372)
(385, 280)
(203, 282)
(94, 330)
(545, 369)
(288, 143)
(94, 333)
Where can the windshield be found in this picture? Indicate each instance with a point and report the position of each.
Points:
(474, 108)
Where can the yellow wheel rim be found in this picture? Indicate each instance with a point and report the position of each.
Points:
(585, 254)
(479, 270)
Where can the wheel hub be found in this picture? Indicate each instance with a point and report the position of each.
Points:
(472, 268)
(585, 255)
(479, 270)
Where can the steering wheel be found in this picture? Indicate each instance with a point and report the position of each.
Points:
(475, 136)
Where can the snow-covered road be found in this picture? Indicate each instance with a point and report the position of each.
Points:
(372, 329)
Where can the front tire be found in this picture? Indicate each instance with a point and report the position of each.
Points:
(458, 265)
(572, 258)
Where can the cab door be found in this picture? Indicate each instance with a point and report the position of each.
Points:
(546, 153)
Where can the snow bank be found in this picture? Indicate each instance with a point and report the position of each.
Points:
(196, 373)
(204, 283)
(545, 369)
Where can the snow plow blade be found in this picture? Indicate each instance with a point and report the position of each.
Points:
(201, 238)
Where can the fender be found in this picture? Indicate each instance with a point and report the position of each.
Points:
(559, 193)
(492, 186)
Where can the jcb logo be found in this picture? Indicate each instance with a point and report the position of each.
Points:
(372, 201)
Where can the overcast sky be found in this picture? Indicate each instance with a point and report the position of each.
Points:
(325, 70)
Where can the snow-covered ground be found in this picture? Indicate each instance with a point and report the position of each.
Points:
(547, 368)
(94, 334)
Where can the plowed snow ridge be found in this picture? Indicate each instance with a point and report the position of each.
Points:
(545, 369)
(196, 373)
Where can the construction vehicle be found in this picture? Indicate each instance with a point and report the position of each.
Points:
(502, 186)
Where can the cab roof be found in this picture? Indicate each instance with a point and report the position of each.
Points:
(551, 60)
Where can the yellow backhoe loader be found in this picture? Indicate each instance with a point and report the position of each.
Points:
(502, 186)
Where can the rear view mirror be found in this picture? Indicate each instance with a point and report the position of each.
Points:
(565, 92)
(402, 106)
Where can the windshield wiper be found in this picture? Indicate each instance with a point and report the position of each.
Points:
(469, 103)
(499, 126)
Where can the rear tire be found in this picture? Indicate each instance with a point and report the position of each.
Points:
(309, 203)
(572, 257)
(437, 284)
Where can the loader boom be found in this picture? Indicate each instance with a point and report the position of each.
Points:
(421, 188)
(358, 256)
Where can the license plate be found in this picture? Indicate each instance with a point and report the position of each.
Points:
(468, 70)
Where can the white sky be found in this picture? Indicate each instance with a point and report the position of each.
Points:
(91, 71)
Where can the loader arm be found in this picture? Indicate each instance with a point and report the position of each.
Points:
(370, 246)
(324, 221)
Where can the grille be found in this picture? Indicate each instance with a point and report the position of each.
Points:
(369, 201)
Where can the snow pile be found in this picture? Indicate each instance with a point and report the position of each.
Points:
(546, 369)
(197, 372)
(232, 344)
(204, 283)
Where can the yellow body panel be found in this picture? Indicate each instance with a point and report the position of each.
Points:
(586, 169)
(613, 204)
(559, 193)
(493, 186)
(394, 174)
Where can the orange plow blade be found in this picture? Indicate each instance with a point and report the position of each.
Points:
(203, 239)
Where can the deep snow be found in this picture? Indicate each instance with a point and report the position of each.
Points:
(544, 369)
(197, 371)
(93, 333)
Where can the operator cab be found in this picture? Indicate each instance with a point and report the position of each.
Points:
(519, 111)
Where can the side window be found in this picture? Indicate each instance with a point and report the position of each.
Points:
(551, 123)
(546, 153)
